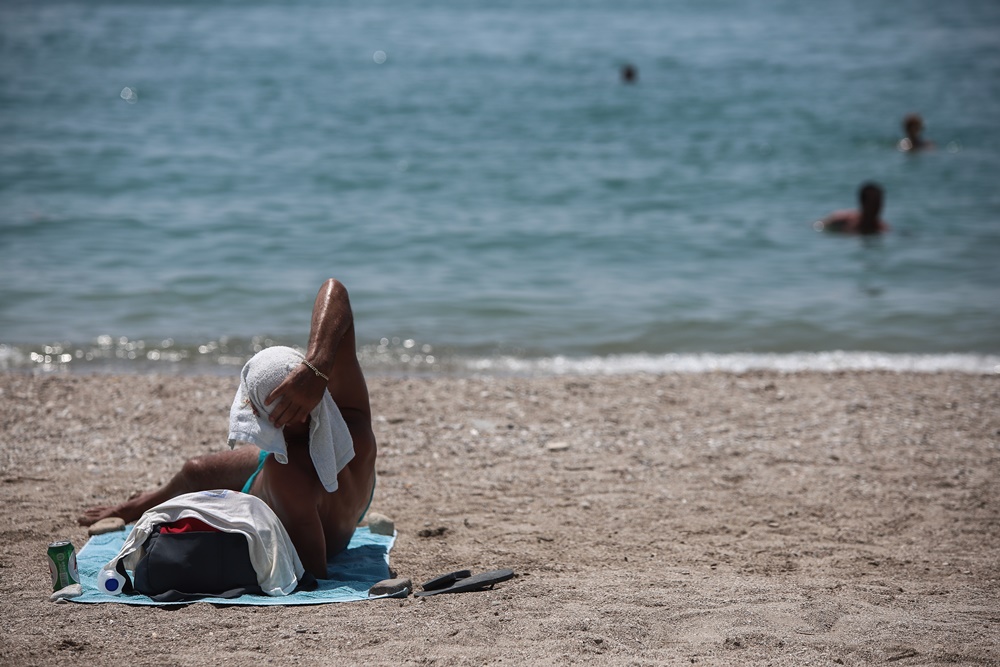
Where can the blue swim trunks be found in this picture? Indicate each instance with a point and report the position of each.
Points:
(262, 457)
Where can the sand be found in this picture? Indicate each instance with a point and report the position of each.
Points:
(715, 519)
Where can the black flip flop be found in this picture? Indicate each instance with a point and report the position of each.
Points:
(446, 580)
(477, 582)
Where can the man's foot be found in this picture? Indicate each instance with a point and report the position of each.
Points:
(94, 514)
(129, 511)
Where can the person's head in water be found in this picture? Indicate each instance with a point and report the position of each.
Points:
(629, 73)
(913, 126)
(870, 197)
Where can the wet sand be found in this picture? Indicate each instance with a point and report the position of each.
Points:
(760, 518)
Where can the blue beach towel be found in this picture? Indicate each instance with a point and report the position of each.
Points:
(350, 573)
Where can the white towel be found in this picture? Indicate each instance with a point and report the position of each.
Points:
(330, 444)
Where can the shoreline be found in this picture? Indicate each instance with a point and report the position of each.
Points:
(760, 517)
(131, 359)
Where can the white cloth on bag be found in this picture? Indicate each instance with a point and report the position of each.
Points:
(272, 553)
(330, 444)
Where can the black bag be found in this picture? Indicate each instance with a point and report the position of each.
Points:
(181, 567)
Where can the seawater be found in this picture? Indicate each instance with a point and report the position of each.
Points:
(176, 179)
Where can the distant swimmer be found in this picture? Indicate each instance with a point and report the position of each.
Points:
(913, 125)
(629, 73)
(865, 220)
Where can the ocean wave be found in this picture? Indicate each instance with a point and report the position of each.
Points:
(826, 362)
(406, 357)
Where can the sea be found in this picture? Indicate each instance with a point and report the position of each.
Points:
(177, 178)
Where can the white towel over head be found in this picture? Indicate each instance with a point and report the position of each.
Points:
(330, 444)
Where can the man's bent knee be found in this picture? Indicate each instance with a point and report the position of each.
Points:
(223, 470)
(196, 473)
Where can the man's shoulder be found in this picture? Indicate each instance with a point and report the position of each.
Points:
(840, 221)
(845, 214)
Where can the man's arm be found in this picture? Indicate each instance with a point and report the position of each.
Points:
(838, 221)
(332, 352)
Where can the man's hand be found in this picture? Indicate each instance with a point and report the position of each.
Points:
(296, 396)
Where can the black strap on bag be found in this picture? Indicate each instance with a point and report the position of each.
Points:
(183, 567)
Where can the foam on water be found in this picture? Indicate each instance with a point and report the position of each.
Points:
(826, 362)
(406, 358)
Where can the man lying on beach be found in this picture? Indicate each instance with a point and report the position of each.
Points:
(283, 406)
(864, 220)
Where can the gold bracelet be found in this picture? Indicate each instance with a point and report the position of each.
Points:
(316, 370)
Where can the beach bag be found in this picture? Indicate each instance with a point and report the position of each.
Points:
(215, 543)
(188, 566)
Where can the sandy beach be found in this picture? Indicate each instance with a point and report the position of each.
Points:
(760, 518)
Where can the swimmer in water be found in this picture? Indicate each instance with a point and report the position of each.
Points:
(913, 125)
(864, 220)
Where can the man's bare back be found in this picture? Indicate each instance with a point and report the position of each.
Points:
(851, 222)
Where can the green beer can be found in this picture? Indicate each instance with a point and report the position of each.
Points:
(62, 564)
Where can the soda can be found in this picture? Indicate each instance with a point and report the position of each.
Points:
(62, 564)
